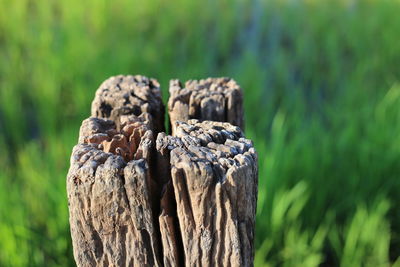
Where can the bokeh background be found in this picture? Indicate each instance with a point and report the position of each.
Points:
(322, 102)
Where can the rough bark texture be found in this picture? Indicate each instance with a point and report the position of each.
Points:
(186, 199)
(213, 171)
(214, 99)
(110, 192)
(130, 95)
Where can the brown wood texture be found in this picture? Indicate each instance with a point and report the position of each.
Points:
(133, 95)
(214, 99)
(138, 199)
(213, 172)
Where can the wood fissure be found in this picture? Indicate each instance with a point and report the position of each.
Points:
(197, 165)
(138, 196)
(214, 99)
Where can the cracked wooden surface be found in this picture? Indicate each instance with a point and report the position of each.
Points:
(140, 197)
(214, 99)
(111, 198)
(133, 95)
(213, 170)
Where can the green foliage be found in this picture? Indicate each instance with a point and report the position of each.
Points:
(322, 98)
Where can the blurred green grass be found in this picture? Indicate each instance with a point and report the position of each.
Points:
(322, 102)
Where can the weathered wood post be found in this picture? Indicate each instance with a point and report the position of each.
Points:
(138, 199)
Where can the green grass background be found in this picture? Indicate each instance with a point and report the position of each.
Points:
(322, 102)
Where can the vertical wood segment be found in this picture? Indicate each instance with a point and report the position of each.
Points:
(214, 99)
(214, 176)
(111, 216)
(130, 95)
(112, 191)
(140, 197)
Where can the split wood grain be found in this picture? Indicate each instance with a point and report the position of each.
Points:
(182, 200)
(112, 191)
(214, 99)
(130, 95)
(111, 201)
(213, 171)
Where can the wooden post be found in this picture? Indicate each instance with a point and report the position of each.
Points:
(180, 200)
(213, 171)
